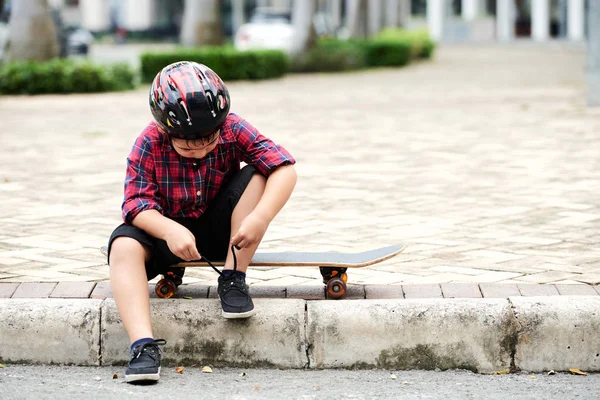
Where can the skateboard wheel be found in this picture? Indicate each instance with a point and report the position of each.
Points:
(336, 288)
(165, 288)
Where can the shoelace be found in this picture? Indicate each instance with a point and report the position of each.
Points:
(137, 352)
(233, 247)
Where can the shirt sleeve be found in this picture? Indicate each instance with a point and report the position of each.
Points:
(141, 190)
(259, 151)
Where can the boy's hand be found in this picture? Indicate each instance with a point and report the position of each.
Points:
(250, 232)
(182, 243)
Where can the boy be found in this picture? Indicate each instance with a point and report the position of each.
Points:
(186, 198)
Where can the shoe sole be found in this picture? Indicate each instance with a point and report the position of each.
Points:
(142, 377)
(246, 314)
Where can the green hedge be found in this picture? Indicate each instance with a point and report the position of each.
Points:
(227, 62)
(421, 44)
(392, 47)
(64, 76)
(329, 58)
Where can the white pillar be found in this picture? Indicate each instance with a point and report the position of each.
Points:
(470, 9)
(95, 14)
(392, 13)
(335, 8)
(435, 18)
(540, 19)
(405, 13)
(237, 14)
(593, 70)
(575, 24)
(505, 20)
(374, 16)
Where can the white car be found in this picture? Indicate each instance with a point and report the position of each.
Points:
(268, 29)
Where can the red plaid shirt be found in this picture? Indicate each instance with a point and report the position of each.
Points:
(158, 178)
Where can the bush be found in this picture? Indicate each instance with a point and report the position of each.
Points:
(421, 44)
(63, 76)
(330, 56)
(227, 62)
(387, 52)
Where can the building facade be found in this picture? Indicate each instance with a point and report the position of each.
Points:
(447, 20)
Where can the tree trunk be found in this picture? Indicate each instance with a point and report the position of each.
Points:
(32, 32)
(303, 12)
(201, 24)
(358, 18)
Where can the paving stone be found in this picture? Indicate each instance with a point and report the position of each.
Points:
(422, 291)
(102, 291)
(460, 290)
(7, 289)
(384, 292)
(459, 212)
(491, 290)
(312, 292)
(34, 290)
(576, 290)
(193, 291)
(81, 290)
(537, 290)
(271, 292)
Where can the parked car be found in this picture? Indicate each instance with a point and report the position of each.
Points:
(268, 28)
(272, 28)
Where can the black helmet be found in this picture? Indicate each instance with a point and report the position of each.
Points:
(189, 100)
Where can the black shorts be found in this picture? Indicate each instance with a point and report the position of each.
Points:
(212, 229)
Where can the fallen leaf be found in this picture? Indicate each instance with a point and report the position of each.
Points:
(551, 372)
(576, 371)
(179, 370)
(532, 376)
(115, 376)
(257, 388)
(207, 369)
(243, 374)
(318, 387)
(501, 372)
(195, 365)
(188, 298)
(1, 365)
(100, 357)
(393, 376)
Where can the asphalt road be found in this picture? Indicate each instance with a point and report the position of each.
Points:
(52, 382)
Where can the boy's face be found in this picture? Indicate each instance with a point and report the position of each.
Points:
(196, 148)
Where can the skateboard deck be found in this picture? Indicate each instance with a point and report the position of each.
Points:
(308, 259)
(332, 265)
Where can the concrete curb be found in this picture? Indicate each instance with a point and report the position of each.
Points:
(483, 335)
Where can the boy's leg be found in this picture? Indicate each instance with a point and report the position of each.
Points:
(129, 260)
(244, 207)
(221, 221)
(129, 285)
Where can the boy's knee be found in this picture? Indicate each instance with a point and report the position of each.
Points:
(125, 248)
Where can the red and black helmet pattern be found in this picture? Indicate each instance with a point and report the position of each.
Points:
(189, 100)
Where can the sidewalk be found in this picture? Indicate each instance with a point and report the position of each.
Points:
(484, 162)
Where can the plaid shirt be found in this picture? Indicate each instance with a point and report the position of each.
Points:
(159, 178)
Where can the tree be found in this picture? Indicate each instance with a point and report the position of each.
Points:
(303, 12)
(201, 24)
(32, 31)
(358, 19)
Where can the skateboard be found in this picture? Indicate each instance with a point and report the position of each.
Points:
(333, 266)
